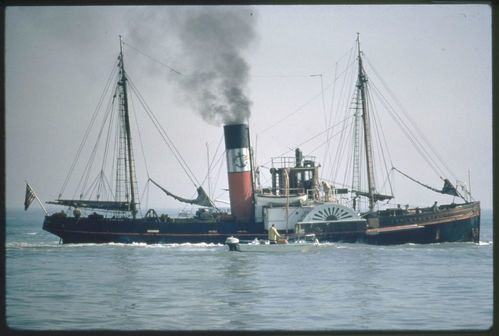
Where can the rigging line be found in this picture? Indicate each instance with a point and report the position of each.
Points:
(114, 161)
(348, 53)
(153, 59)
(146, 189)
(89, 127)
(108, 139)
(88, 166)
(316, 148)
(167, 140)
(409, 132)
(212, 162)
(420, 133)
(92, 187)
(383, 133)
(307, 140)
(323, 109)
(342, 143)
(352, 76)
(348, 165)
(349, 157)
(289, 115)
(280, 76)
(354, 155)
(323, 143)
(326, 150)
(351, 97)
(378, 129)
(412, 138)
(332, 109)
(321, 133)
(295, 111)
(140, 136)
(216, 162)
(110, 189)
(299, 108)
(381, 136)
(219, 172)
(341, 147)
(121, 174)
(349, 65)
(102, 192)
(165, 137)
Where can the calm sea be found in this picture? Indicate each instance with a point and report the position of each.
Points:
(203, 286)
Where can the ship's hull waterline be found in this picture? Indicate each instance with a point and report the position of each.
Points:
(461, 223)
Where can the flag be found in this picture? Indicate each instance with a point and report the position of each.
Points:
(30, 196)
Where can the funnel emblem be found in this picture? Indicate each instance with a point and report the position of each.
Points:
(238, 160)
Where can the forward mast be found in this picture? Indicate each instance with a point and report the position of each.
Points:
(125, 174)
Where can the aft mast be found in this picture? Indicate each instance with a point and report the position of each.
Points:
(361, 81)
(128, 159)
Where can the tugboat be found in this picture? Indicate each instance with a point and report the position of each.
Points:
(296, 202)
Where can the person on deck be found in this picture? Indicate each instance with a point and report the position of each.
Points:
(273, 234)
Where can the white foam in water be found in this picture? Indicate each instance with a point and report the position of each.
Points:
(82, 245)
(189, 245)
(124, 245)
(171, 245)
(31, 245)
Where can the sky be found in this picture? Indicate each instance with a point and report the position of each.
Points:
(435, 59)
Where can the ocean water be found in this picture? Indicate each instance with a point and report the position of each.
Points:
(49, 286)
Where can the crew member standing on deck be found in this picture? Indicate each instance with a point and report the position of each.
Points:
(273, 235)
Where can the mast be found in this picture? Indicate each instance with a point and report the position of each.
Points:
(124, 101)
(367, 131)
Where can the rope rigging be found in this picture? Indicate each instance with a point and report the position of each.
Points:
(378, 130)
(100, 186)
(414, 135)
(448, 188)
(152, 58)
(183, 164)
(89, 127)
(433, 158)
(310, 139)
(87, 170)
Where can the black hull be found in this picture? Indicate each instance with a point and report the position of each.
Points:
(95, 229)
(447, 224)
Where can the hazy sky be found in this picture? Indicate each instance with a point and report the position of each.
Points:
(436, 59)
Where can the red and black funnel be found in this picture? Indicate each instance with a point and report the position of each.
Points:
(237, 148)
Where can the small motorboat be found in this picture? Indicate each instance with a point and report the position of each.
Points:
(301, 244)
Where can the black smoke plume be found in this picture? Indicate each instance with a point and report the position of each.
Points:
(213, 41)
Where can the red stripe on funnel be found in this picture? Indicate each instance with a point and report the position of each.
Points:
(241, 197)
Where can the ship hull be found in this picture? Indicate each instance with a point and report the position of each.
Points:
(447, 224)
(144, 230)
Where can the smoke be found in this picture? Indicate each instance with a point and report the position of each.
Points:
(207, 46)
(215, 76)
